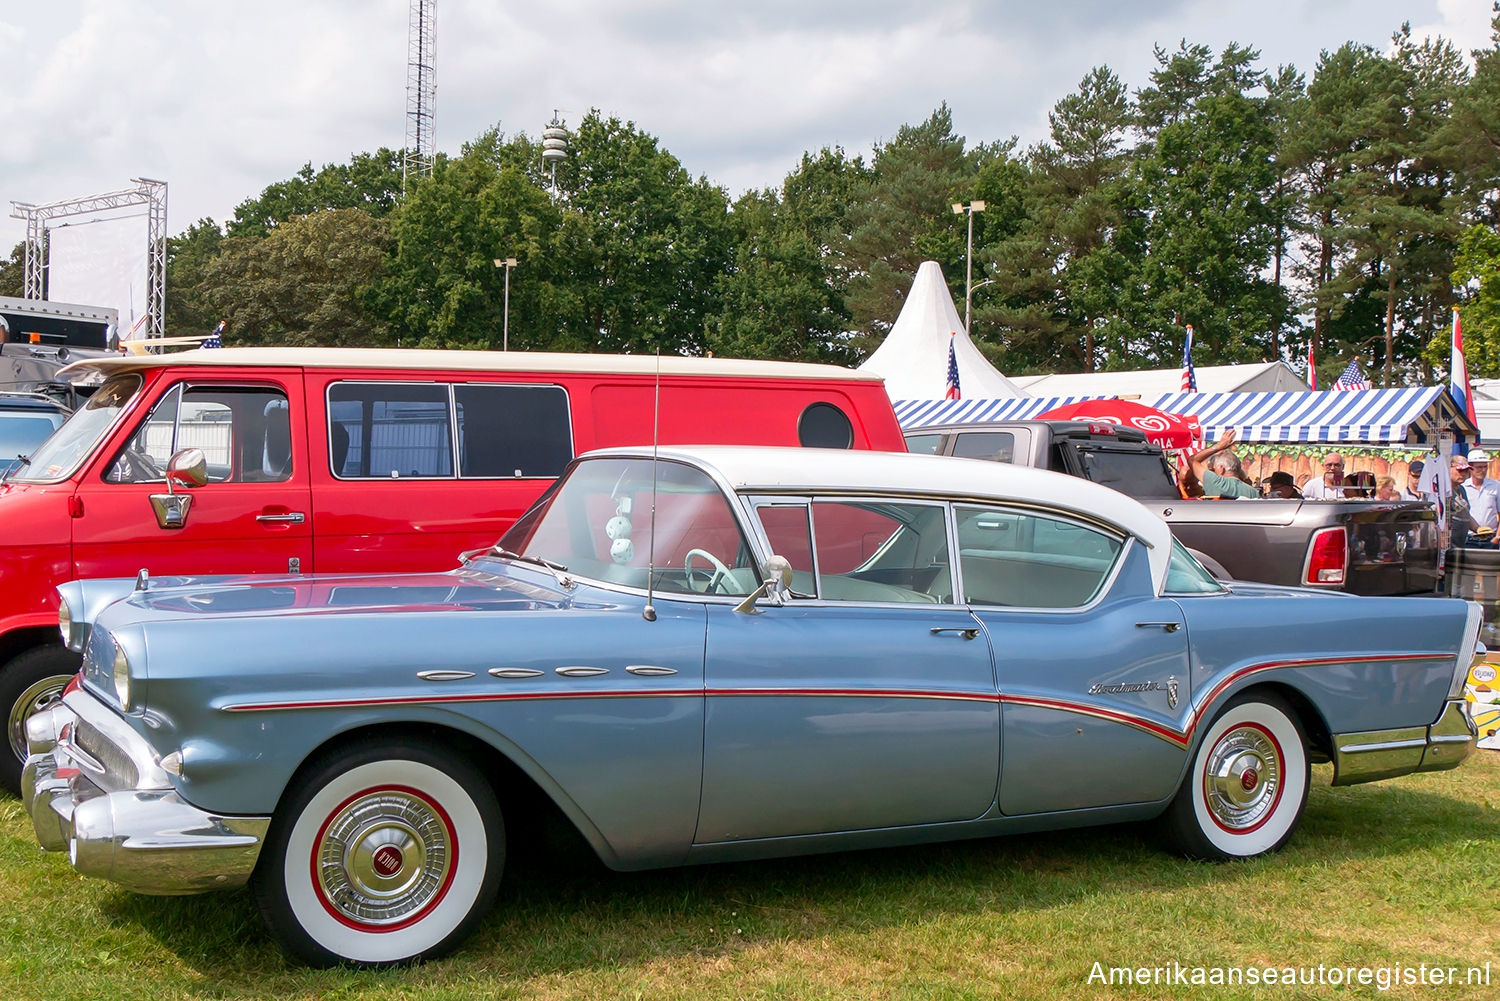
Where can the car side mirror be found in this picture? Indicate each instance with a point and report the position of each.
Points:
(188, 467)
(777, 585)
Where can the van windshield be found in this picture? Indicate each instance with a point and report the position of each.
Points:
(69, 445)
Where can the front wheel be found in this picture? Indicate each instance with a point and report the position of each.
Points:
(384, 853)
(1245, 791)
(32, 682)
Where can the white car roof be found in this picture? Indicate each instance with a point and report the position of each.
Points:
(413, 359)
(752, 469)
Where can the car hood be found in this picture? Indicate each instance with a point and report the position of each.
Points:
(491, 586)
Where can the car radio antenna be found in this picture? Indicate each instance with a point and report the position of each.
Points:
(650, 610)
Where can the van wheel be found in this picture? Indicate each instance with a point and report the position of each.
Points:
(1244, 794)
(30, 683)
(386, 852)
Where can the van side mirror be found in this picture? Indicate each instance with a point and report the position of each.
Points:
(188, 467)
(777, 585)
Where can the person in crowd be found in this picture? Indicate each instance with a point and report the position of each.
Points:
(1331, 486)
(1385, 488)
(1281, 485)
(1413, 490)
(1216, 472)
(1460, 521)
(1484, 499)
(1363, 484)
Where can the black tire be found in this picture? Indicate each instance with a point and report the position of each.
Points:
(1247, 785)
(412, 844)
(30, 682)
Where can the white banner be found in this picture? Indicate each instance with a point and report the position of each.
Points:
(101, 263)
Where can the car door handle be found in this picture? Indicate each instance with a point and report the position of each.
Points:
(293, 518)
(1166, 627)
(967, 632)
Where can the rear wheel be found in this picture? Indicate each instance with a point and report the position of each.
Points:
(30, 683)
(1244, 794)
(384, 853)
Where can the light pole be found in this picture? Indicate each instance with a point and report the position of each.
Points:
(507, 263)
(959, 209)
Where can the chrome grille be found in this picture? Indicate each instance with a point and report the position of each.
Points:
(119, 770)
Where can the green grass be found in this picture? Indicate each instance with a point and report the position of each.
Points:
(1400, 872)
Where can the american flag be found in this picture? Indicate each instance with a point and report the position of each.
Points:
(1351, 378)
(1189, 377)
(1458, 374)
(215, 339)
(952, 392)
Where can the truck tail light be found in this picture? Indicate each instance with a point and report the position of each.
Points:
(1327, 557)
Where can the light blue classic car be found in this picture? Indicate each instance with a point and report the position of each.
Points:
(712, 654)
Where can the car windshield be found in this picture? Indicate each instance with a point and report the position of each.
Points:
(611, 519)
(66, 449)
(21, 431)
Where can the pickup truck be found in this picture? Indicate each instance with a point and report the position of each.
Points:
(1361, 546)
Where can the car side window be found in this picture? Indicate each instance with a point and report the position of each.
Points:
(1028, 560)
(924, 444)
(390, 430)
(996, 446)
(862, 550)
(245, 433)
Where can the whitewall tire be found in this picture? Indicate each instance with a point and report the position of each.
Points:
(1244, 793)
(386, 853)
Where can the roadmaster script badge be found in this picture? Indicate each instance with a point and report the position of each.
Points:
(1133, 688)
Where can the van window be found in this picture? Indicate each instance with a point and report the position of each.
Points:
(393, 430)
(823, 425)
(245, 433)
(512, 431)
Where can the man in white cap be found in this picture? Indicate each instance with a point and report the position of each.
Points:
(1484, 499)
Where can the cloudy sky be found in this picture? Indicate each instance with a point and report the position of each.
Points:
(221, 99)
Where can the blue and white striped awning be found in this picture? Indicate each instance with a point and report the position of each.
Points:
(1376, 416)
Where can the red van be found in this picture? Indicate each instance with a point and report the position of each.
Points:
(351, 460)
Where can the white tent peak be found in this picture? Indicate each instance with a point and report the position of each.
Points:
(913, 359)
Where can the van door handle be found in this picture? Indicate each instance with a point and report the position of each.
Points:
(1166, 627)
(967, 632)
(293, 518)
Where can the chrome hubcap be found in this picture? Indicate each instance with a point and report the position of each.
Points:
(1243, 779)
(42, 695)
(384, 857)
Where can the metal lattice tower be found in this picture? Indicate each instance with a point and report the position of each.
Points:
(421, 89)
(148, 192)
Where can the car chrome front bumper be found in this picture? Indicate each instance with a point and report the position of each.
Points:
(1382, 754)
(95, 789)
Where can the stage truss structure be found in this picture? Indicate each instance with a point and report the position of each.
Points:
(148, 192)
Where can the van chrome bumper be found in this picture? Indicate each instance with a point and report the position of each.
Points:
(1382, 754)
(106, 806)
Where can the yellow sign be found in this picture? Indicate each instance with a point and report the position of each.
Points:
(1483, 691)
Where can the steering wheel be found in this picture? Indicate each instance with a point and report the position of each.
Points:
(715, 580)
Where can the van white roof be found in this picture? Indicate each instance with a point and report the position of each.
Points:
(407, 360)
(806, 470)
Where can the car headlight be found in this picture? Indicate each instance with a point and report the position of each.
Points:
(65, 623)
(121, 672)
